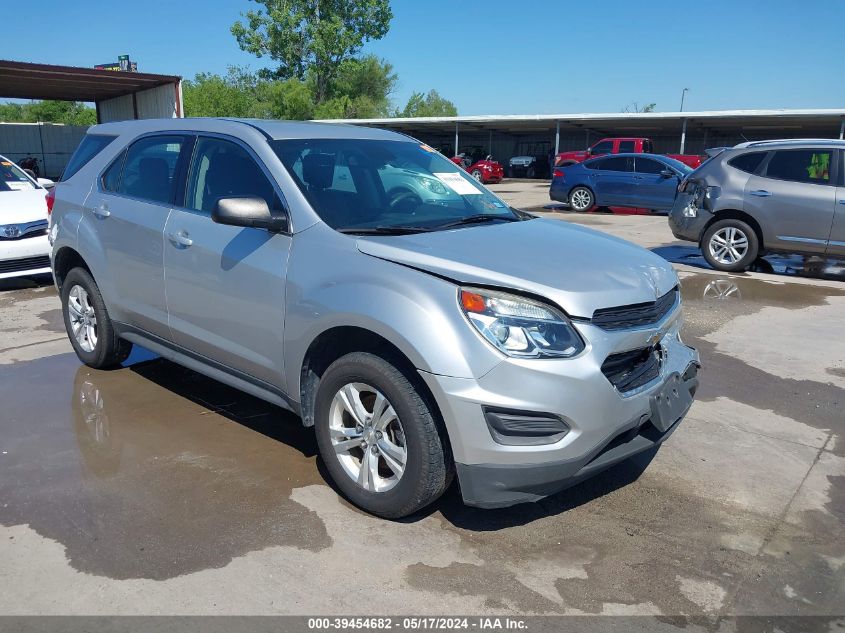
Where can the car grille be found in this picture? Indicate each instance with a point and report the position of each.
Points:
(27, 263)
(637, 314)
(24, 231)
(629, 370)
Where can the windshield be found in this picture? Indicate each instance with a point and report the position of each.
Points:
(12, 177)
(678, 165)
(382, 185)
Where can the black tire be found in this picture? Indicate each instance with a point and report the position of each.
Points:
(428, 469)
(530, 172)
(710, 245)
(109, 349)
(476, 173)
(585, 194)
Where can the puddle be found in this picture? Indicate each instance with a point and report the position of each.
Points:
(150, 471)
(814, 267)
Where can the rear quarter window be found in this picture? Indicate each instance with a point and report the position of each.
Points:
(747, 162)
(88, 148)
(801, 165)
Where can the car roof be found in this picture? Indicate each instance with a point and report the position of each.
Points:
(272, 129)
(793, 142)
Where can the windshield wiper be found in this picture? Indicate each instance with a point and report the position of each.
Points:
(383, 230)
(477, 219)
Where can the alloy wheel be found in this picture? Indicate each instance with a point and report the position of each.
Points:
(581, 200)
(83, 319)
(477, 175)
(367, 437)
(728, 245)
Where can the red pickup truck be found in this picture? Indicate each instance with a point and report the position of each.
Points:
(619, 146)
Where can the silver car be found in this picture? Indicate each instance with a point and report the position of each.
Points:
(423, 337)
(765, 197)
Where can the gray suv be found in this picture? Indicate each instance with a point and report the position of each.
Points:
(424, 336)
(765, 197)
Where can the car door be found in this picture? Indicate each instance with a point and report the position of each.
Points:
(129, 206)
(794, 198)
(226, 284)
(614, 178)
(836, 245)
(653, 189)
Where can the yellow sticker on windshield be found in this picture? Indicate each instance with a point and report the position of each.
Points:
(5, 163)
(425, 147)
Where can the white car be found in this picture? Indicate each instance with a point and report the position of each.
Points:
(24, 249)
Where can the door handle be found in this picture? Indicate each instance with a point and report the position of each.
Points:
(842, 202)
(101, 210)
(761, 193)
(180, 239)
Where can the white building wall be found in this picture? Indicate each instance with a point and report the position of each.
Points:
(116, 109)
(161, 102)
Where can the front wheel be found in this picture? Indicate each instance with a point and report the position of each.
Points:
(730, 245)
(476, 173)
(378, 437)
(88, 324)
(581, 199)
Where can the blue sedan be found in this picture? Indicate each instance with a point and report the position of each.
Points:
(647, 181)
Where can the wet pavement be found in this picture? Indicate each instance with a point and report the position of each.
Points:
(151, 488)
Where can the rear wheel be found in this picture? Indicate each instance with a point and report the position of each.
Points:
(378, 437)
(88, 324)
(730, 245)
(581, 199)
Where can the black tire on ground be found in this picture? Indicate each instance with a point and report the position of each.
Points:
(577, 195)
(109, 349)
(530, 172)
(714, 239)
(428, 470)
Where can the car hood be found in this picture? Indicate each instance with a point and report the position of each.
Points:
(18, 207)
(577, 268)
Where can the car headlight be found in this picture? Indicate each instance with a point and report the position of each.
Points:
(433, 186)
(520, 327)
(10, 231)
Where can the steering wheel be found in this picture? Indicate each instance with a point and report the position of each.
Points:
(402, 196)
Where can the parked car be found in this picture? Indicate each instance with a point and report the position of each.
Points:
(24, 249)
(622, 145)
(485, 171)
(765, 197)
(451, 338)
(621, 180)
(533, 160)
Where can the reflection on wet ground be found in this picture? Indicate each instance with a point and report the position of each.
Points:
(792, 265)
(140, 472)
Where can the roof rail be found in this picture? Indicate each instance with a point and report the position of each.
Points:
(793, 141)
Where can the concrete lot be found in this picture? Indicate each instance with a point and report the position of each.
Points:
(151, 489)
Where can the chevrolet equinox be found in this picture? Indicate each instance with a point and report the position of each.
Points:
(355, 276)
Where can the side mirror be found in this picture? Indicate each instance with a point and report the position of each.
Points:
(46, 183)
(667, 173)
(249, 212)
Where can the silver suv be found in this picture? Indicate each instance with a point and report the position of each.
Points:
(425, 329)
(765, 197)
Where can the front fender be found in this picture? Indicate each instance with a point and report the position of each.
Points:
(332, 284)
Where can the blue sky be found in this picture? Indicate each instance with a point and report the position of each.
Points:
(513, 57)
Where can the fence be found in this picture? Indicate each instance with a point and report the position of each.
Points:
(51, 144)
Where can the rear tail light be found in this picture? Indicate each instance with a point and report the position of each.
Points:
(558, 173)
(51, 198)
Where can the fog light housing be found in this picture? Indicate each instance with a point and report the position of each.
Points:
(524, 428)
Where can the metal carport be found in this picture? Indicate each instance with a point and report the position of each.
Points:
(118, 95)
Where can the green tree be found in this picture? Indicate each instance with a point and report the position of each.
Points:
(431, 104)
(67, 112)
(209, 94)
(312, 38)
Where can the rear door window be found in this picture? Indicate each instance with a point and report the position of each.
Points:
(626, 147)
(605, 147)
(90, 146)
(111, 177)
(150, 168)
(617, 163)
(801, 165)
(748, 162)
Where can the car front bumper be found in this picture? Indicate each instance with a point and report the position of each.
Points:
(24, 257)
(605, 426)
